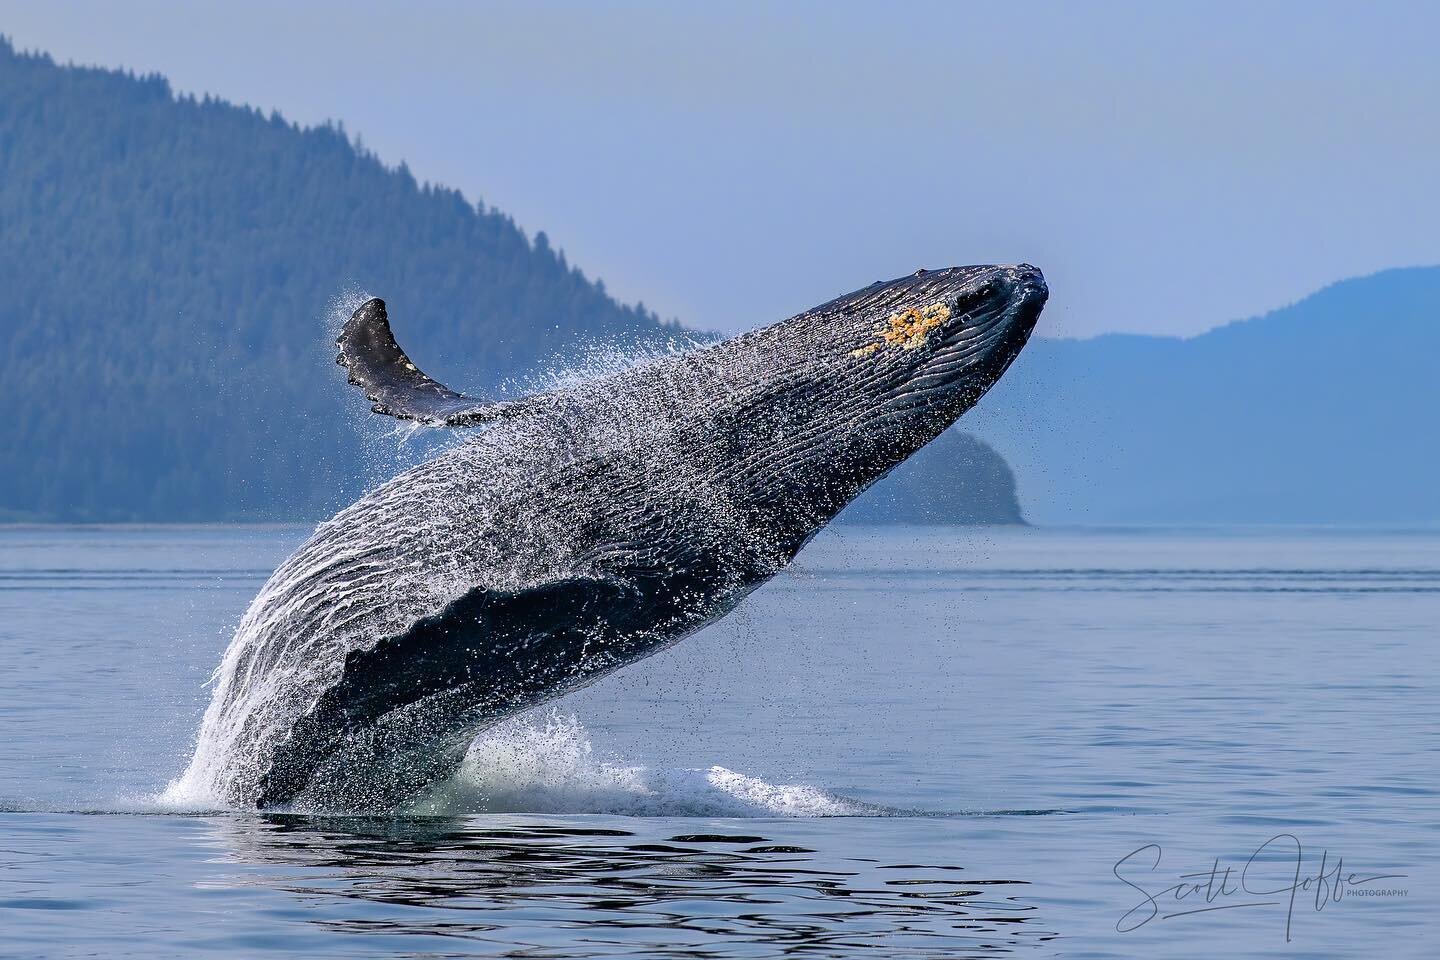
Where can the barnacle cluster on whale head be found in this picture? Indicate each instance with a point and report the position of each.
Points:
(907, 329)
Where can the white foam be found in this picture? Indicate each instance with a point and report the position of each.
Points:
(548, 766)
(182, 795)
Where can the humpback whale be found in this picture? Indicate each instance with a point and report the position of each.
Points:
(576, 530)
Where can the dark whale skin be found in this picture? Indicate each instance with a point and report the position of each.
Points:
(578, 531)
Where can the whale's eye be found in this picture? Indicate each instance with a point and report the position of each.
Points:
(977, 296)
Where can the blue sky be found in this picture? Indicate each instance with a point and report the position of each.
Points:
(1170, 166)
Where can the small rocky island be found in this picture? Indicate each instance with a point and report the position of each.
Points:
(956, 479)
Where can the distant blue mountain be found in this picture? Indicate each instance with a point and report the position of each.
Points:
(1321, 412)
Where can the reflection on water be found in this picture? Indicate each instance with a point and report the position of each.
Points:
(539, 888)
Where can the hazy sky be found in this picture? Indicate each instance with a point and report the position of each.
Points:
(1170, 167)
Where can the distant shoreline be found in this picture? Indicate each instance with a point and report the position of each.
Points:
(1077, 528)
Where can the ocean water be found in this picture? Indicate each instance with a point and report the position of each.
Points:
(916, 742)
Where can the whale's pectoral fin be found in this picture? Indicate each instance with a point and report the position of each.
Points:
(400, 389)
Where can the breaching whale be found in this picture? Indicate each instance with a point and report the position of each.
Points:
(580, 529)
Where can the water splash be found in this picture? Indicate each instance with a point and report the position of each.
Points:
(547, 765)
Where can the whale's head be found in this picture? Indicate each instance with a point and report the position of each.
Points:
(924, 348)
(858, 384)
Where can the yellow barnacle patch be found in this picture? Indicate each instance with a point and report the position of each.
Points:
(907, 329)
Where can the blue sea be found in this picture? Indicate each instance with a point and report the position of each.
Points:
(915, 742)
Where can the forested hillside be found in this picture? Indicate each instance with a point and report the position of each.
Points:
(167, 268)
(171, 275)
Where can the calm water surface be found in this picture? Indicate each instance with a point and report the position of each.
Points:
(924, 742)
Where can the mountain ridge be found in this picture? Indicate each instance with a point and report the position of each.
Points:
(1311, 413)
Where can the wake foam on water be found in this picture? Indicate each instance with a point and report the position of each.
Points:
(181, 795)
(547, 765)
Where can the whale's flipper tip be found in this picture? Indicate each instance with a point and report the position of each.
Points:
(399, 388)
